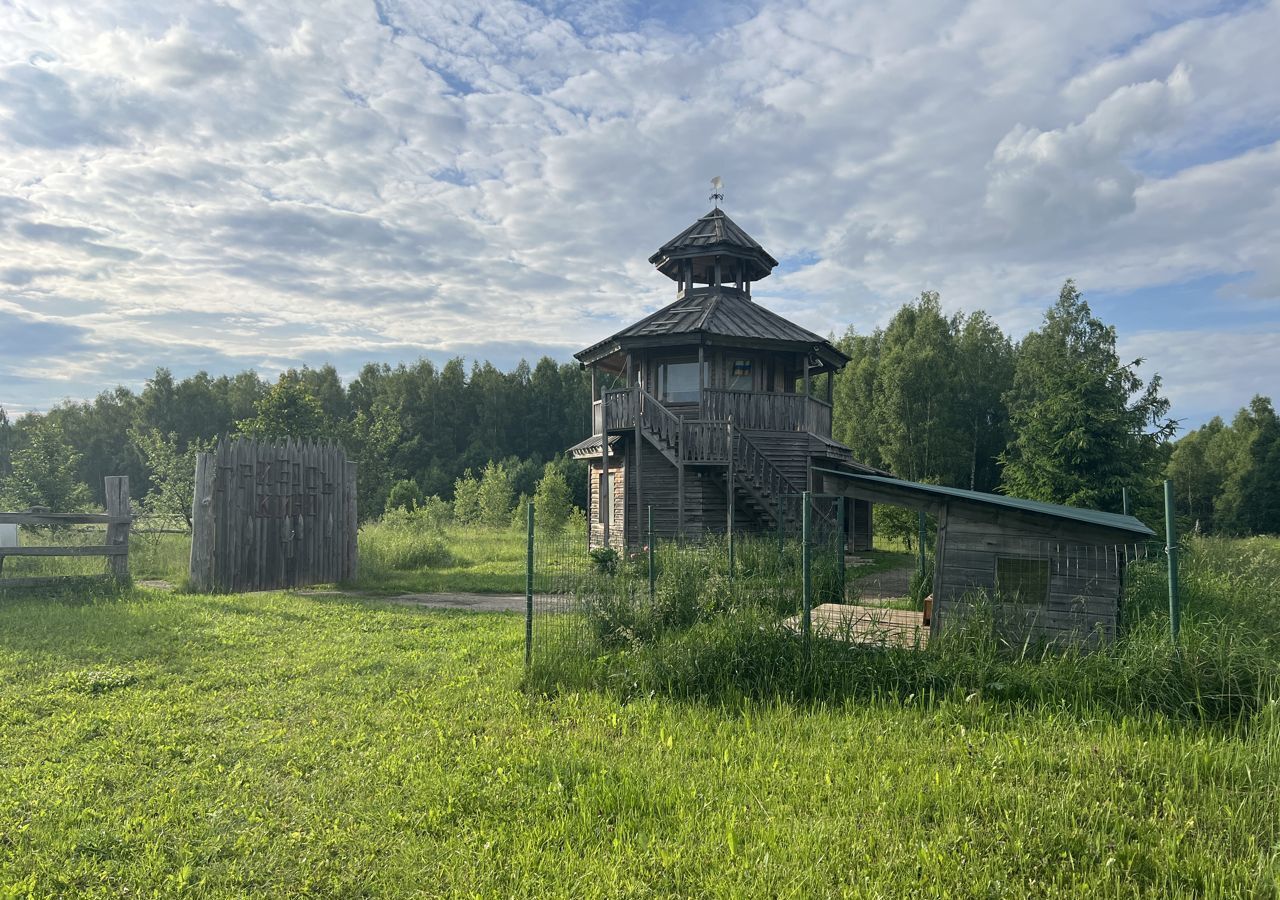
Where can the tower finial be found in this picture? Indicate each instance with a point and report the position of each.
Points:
(717, 191)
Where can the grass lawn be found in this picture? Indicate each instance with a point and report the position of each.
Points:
(155, 744)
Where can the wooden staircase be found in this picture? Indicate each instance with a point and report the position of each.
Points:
(760, 487)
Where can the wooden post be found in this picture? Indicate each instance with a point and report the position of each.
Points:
(729, 491)
(117, 490)
(200, 571)
(604, 469)
(352, 523)
(806, 383)
(702, 383)
(639, 395)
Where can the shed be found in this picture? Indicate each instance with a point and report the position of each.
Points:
(1051, 573)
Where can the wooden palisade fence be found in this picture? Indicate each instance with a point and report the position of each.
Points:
(118, 517)
(272, 515)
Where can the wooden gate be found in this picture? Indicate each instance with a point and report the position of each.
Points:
(272, 515)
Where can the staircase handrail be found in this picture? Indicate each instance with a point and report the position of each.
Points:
(658, 419)
(751, 461)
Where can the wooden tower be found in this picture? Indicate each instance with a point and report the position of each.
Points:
(713, 411)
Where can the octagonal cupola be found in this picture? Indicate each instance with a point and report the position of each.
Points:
(716, 252)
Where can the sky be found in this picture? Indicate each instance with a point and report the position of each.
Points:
(262, 184)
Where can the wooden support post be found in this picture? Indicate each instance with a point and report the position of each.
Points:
(636, 476)
(604, 474)
(806, 378)
(731, 492)
(200, 570)
(117, 489)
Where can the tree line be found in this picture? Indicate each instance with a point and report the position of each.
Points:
(947, 399)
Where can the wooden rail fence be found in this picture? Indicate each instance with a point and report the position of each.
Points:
(118, 518)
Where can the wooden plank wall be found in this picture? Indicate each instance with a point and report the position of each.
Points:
(1086, 575)
(273, 515)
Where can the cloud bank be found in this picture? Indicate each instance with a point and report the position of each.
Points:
(267, 184)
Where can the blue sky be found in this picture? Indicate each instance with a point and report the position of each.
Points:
(269, 184)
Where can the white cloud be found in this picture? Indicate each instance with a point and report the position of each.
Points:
(413, 174)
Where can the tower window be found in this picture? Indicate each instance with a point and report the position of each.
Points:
(741, 375)
(678, 381)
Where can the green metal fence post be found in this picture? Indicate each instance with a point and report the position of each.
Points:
(806, 598)
(921, 537)
(1171, 548)
(650, 545)
(731, 552)
(528, 592)
(782, 525)
(840, 548)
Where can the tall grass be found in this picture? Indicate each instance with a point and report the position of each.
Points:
(720, 643)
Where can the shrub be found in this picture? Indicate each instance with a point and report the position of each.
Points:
(404, 494)
(496, 495)
(553, 500)
(466, 499)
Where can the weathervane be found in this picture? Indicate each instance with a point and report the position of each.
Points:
(717, 191)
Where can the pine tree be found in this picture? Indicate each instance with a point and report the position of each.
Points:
(1084, 425)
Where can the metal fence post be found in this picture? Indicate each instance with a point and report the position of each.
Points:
(1171, 548)
(921, 536)
(528, 592)
(840, 548)
(806, 592)
(782, 525)
(652, 572)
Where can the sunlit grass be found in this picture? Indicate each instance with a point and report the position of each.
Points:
(276, 745)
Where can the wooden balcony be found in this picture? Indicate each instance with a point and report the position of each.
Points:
(751, 410)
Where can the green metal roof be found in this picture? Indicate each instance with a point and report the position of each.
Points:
(1075, 514)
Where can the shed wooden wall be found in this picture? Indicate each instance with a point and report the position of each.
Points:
(1086, 570)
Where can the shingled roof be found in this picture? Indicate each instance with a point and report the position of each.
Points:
(713, 233)
(724, 313)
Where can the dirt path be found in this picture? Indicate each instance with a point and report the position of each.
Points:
(885, 585)
(469, 602)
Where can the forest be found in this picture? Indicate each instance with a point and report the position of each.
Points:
(948, 399)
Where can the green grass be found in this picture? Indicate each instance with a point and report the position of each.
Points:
(157, 744)
(154, 744)
(475, 559)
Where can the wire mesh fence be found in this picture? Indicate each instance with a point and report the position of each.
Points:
(799, 573)
(584, 600)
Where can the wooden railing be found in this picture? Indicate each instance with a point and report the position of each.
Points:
(620, 407)
(753, 410)
(117, 518)
(705, 442)
(660, 421)
(767, 412)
